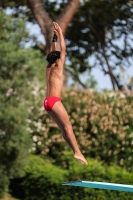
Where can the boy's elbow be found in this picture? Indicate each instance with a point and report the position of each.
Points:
(63, 48)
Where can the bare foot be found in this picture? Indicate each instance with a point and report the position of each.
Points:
(81, 158)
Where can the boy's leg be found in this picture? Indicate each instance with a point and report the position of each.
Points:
(60, 112)
(52, 115)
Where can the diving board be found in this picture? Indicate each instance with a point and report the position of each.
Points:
(101, 185)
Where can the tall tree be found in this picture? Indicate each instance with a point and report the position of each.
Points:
(43, 13)
(98, 29)
(18, 68)
(45, 22)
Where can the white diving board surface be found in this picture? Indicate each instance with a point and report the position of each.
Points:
(100, 185)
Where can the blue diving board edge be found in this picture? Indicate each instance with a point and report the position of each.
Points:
(100, 185)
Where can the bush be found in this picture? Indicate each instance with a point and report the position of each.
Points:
(102, 123)
(44, 181)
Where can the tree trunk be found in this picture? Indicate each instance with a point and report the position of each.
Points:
(67, 14)
(109, 69)
(45, 22)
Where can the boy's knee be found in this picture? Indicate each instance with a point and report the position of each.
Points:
(68, 127)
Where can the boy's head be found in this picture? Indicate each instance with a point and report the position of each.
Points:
(53, 56)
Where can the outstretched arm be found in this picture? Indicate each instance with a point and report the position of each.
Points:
(58, 31)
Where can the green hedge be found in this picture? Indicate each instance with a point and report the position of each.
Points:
(102, 123)
(43, 181)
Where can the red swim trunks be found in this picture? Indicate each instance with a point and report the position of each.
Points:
(50, 101)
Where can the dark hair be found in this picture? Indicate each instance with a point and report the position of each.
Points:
(53, 56)
(121, 86)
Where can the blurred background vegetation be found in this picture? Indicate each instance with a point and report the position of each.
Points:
(34, 159)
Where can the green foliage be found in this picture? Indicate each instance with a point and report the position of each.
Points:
(10, 3)
(18, 68)
(44, 181)
(102, 123)
(102, 29)
(54, 7)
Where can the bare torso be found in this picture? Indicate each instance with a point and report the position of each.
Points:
(54, 79)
